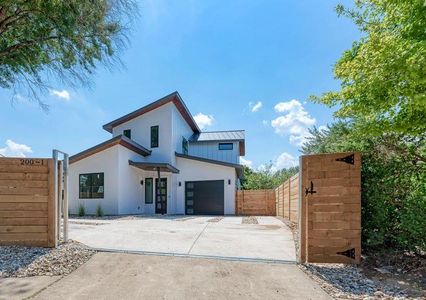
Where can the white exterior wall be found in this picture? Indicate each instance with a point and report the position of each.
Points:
(211, 150)
(102, 162)
(192, 170)
(180, 129)
(141, 132)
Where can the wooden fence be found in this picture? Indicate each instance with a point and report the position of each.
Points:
(287, 199)
(255, 203)
(27, 204)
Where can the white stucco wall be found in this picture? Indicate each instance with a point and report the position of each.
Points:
(180, 129)
(103, 162)
(192, 170)
(211, 150)
(141, 132)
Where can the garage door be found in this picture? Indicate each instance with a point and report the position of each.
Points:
(204, 197)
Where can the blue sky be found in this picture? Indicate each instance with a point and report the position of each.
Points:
(224, 57)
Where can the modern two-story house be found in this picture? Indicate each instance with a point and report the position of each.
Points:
(158, 161)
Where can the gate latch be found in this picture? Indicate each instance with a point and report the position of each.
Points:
(310, 190)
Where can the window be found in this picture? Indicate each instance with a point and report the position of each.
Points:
(127, 133)
(149, 189)
(91, 186)
(154, 136)
(226, 146)
(184, 145)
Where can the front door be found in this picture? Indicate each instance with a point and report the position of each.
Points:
(161, 196)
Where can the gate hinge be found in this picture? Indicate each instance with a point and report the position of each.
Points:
(310, 190)
(350, 159)
(348, 253)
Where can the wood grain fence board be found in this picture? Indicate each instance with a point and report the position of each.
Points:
(255, 202)
(26, 196)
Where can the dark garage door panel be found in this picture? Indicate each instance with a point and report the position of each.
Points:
(204, 197)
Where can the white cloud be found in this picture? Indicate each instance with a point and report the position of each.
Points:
(285, 160)
(15, 149)
(294, 122)
(255, 107)
(246, 162)
(203, 120)
(64, 94)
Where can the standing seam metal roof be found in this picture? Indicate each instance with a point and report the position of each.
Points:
(231, 135)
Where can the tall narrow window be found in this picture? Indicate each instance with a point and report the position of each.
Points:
(154, 136)
(184, 146)
(91, 186)
(127, 133)
(149, 190)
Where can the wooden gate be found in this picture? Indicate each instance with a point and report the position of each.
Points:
(330, 208)
(27, 202)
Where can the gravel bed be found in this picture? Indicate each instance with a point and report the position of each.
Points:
(21, 261)
(348, 282)
(249, 220)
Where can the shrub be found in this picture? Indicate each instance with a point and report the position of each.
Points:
(81, 210)
(99, 211)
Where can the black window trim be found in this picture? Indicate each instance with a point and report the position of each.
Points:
(90, 193)
(185, 146)
(152, 190)
(227, 144)
(155, 145)
(129, 131)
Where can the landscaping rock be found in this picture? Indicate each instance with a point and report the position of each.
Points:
(21, 261)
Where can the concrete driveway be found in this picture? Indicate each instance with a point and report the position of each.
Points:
(129, 276)
(204, 236)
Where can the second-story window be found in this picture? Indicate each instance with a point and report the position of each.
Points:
(154, 136)
(127, 133)
(184, 146)
(226, 146)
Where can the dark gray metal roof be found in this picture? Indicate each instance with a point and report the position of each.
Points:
(152, 166)
(229, 135)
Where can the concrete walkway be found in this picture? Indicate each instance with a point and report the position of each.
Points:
(192, 236)
(130, 276)
(21, 288)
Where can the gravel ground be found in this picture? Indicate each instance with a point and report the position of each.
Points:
(215, 220)
(21, 261)
(348, 282)
(249, 220)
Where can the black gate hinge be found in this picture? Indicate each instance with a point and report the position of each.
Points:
(348, 253)
(310, 190)
(350, 159)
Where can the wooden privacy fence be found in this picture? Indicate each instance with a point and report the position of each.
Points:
(287, 199)
(27, 202)
(324, 198)
(255, 203)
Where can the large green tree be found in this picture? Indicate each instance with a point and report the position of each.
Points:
(383, 75)
(45, 40)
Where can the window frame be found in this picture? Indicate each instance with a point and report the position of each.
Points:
(90, 186)
(152, 190)
(129, 131)
(227, 144)
(185, 146)
(155, 143)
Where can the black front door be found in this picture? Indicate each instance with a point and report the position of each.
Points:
(161, 196)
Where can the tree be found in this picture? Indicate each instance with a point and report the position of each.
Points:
(383, 75)
(266, 177)
(41, 40)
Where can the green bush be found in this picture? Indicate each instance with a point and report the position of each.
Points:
(393, 183)
(81, 210)
(99, 211)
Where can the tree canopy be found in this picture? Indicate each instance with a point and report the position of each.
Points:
(383, 75)
(64, 40)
